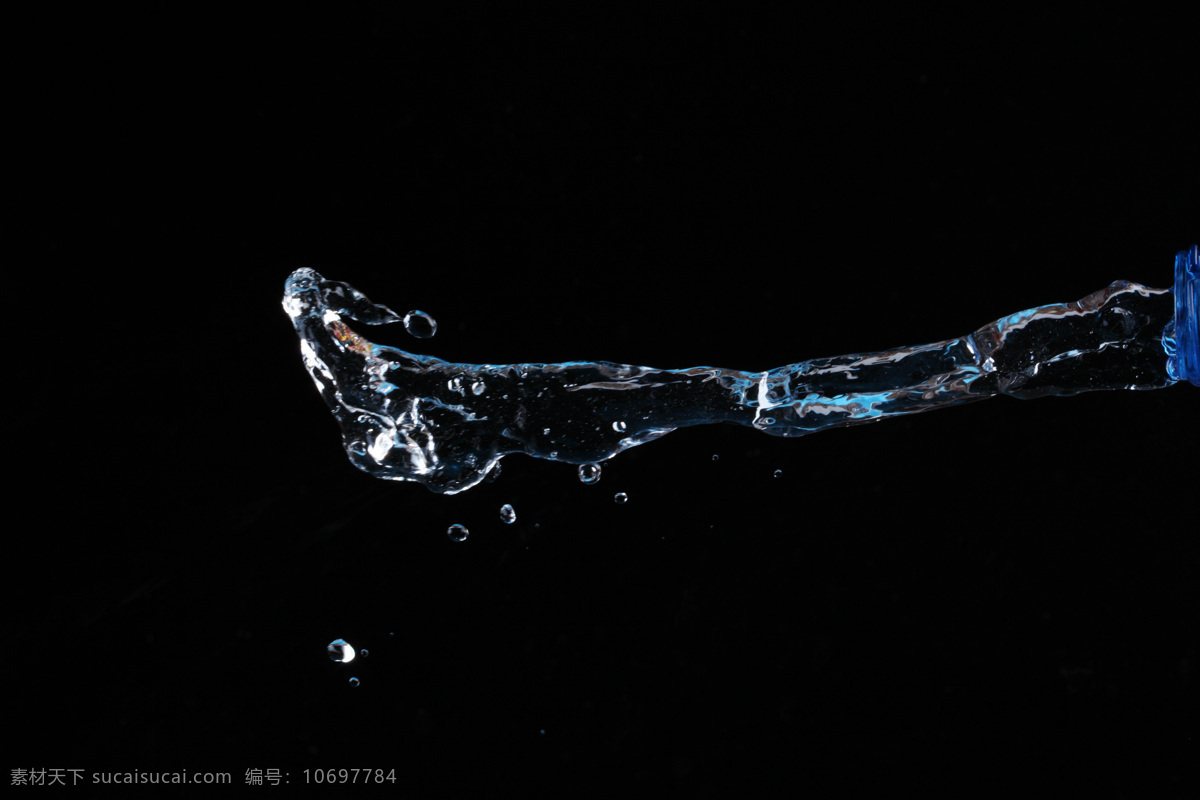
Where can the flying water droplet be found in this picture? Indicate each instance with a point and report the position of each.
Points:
(589, 473)
(507, 514)
(340, 650)
(778, 473)
(354, 682)
(619, 426)
(420, 324)
(716, 457)
(364, 652)
(457, 533)
(620, 498)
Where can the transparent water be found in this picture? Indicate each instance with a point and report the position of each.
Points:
(340, 650)
(445, 425)
(589, 473)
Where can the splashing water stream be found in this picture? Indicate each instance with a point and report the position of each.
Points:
(445, 425)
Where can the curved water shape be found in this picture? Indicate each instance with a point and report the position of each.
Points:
(417, 418)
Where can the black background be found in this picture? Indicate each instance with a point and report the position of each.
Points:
(990, 598)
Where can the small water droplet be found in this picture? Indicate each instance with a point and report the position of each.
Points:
(457, 533)
(340, 650)
(716, 457)
(619, 427)
(364, 652)
(589, 473)
(354, 682)
(420, 324)
(778, 473)
(620, 498)
(507, 515)
(478, 388)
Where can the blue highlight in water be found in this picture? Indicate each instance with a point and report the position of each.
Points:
(1182, 341)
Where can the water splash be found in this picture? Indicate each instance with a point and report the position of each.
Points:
(446, 425)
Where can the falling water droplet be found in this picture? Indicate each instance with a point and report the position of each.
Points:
(340, 650)
(420, 324)
(507, 515)
(620, 498)
(457, 533)
(478, 388)
(364, 652)
(589, 473)
(716, 457)
(778, 473)
(354, 682)
(619, 426)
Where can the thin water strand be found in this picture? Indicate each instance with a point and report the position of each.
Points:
(446, 425)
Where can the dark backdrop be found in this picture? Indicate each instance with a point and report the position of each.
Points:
(995, 597)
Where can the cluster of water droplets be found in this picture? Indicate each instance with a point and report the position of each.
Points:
(342, 652)
(446, 425)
